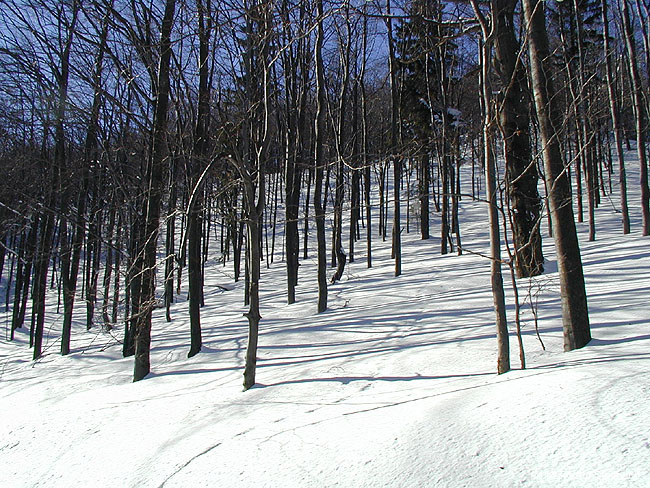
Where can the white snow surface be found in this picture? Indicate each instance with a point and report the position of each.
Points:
(395, 385)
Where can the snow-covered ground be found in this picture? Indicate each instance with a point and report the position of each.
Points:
(394, 385)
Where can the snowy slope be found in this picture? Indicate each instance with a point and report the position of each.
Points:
(394, 385)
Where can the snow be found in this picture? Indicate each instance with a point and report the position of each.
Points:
(394, 385)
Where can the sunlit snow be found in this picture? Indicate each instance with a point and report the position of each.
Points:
(394, 385)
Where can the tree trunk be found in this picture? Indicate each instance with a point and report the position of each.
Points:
(498, 296)
(319, 136)
(253, 314)
(251, 169)
(575, 316)
(397, 161)
(108, 268)
(639, 116)
(521, 170)
(41, 265)
(195, 214)
(170, 238)
(424, 182)
(155, 172)
(616, 122)
(69, 281)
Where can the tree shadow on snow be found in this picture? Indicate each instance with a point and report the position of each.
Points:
(345, 380)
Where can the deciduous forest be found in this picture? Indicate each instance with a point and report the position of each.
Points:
(158, 155)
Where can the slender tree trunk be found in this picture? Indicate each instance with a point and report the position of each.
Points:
(309, 177)
(498, 296)
(41, 265)
(616, 122)
(583, 123)
(118, 261)
(365, 145)
(639, 115)
(170, 238)
(133, 286)
(252, 169)
(21, 293)
(108, 268)
(397, 161)
(18, 287)
(93, 258)
(253, 314)
(319, 161)
(424, 182)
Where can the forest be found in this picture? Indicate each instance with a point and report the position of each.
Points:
(140, 140)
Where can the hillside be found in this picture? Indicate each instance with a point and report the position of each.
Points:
(394, 385)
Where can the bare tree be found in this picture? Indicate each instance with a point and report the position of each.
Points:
(153, 200)
(639, 115)
(514, 123)
(319, 160)
(616, 120)
(489, 30)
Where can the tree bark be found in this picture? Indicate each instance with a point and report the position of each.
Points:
(496, 277)
(575, 315)
(155, 172)
(397, 161)
(424, 182)
(514, 123)
(639, 116)
(616, 122)
(319, 161)
(194, 227)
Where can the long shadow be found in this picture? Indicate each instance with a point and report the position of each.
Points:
(345, 380)
(624, 340)
(592, 262)
(586, 361)
(193, 371)
(293, 360)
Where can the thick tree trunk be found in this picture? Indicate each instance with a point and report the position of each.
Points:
(575, 316)
(252, 167)
(194, 281)
(194, 222)
(155, 172)
(69, 282)
(521, 170)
